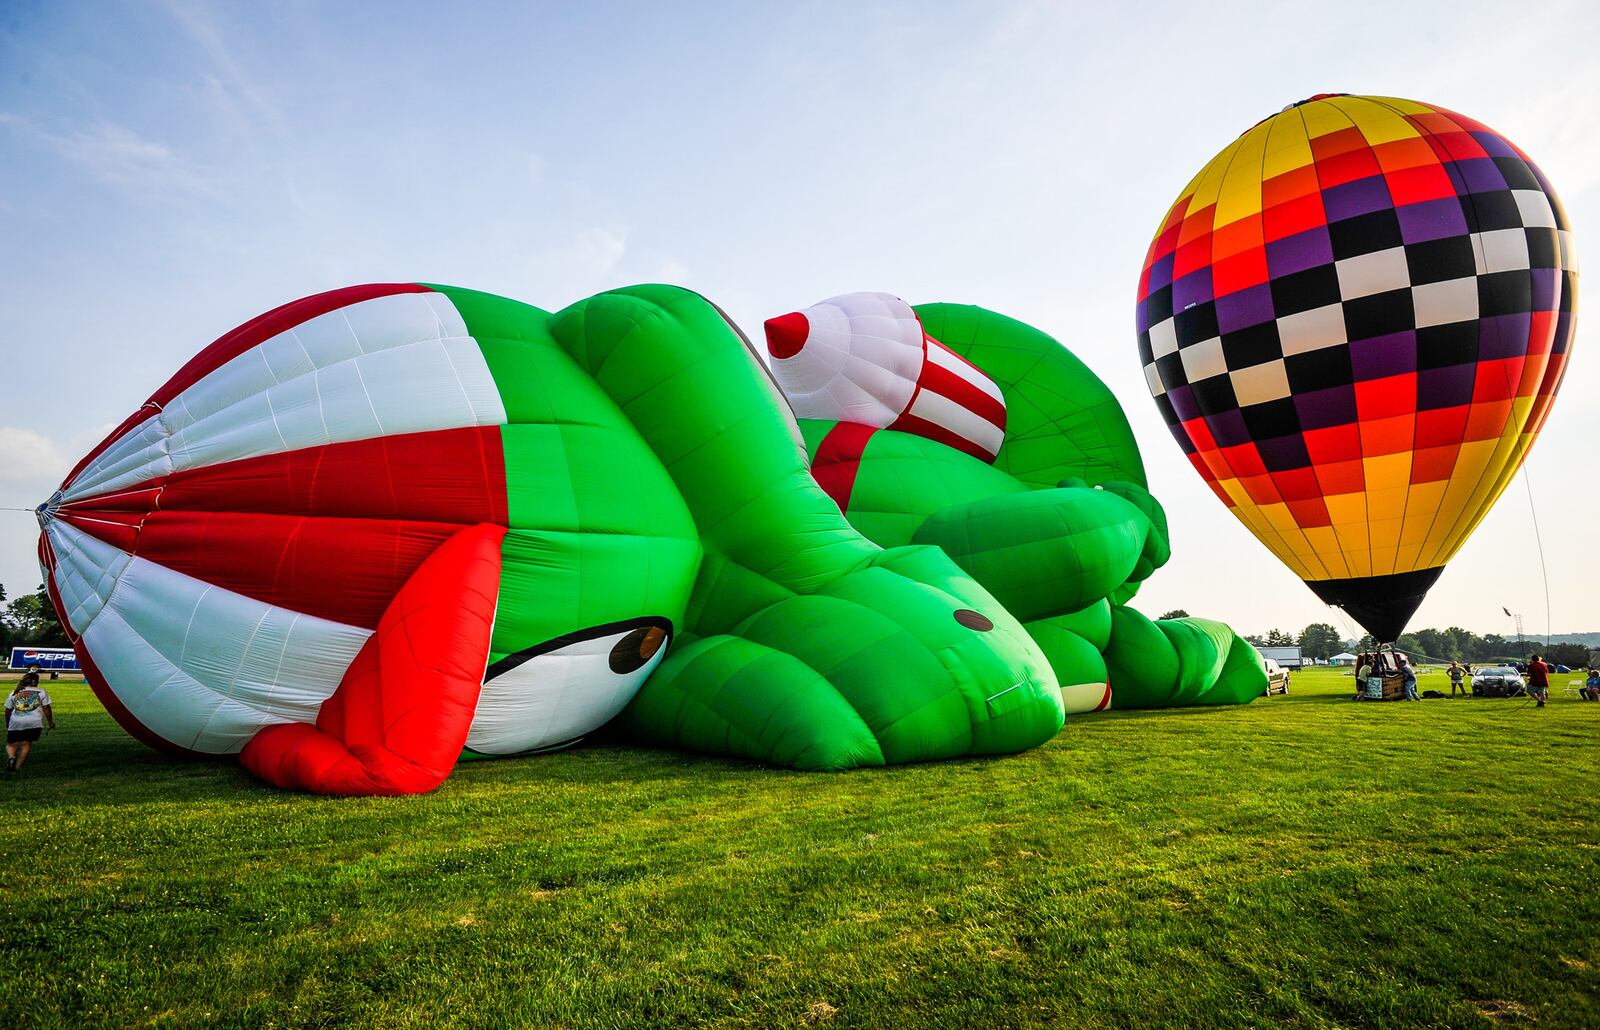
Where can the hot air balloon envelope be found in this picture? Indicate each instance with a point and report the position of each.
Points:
(1354, 320)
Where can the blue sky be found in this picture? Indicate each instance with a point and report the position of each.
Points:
(168, 170)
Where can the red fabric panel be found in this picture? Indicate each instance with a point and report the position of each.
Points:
(838, 460)
(120, 529)
(909, 423)
(400, 717)
(347, 570)
(232, 344)
(451, 475)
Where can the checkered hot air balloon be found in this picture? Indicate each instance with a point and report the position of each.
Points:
(1354, 321)
(864, 358)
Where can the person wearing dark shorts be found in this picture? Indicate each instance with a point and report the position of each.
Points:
(1539, 680)
(1457, 678)
(27, 711)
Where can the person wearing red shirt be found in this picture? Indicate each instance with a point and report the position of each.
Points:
(1539, 680)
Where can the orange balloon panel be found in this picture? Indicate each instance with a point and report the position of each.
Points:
(1354, 320)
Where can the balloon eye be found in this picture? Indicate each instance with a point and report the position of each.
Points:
(634, 650)
(974, 620)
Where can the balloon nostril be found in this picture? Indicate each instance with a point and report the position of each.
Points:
(974, 620)
(786, 334)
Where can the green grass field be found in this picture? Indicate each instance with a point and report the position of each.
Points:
(1303, 861)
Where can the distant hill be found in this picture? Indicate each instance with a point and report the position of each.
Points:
(1586, 639)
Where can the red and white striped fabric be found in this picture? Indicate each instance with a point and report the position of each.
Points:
(234, 543)
(864, 358)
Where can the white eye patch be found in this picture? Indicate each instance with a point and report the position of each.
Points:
(554, 693)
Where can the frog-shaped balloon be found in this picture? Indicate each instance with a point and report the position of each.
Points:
(961, 428)
(378, 529)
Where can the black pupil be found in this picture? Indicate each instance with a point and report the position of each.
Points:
(636, 648)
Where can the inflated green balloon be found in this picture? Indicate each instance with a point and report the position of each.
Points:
(958, 427)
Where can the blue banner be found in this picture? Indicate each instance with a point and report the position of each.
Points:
(49, 659)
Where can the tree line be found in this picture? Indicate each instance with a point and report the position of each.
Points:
(1320, 640)
(29, 621)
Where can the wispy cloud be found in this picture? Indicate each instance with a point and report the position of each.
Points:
(120, 157)
(230, 89)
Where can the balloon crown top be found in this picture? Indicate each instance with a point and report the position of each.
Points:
(47, 511)
(1311, 100)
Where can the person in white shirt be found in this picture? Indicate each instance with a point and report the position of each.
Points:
(27, 711)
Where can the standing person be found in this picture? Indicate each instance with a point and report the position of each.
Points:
(1361, 675)
(27, 709)
(1457, 678)
(1408, 677)
(1539, 680)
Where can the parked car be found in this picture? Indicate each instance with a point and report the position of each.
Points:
(1277, 678)
(1497, 681)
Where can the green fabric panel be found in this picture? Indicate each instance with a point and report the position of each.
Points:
(1200, 645)
(1158, 547)
(1092, 623)
(1002, 666)
(698, 396)
(1144, 667)
(1243, 677)
(1043, 552)
(1074, 658)
(897, 687)
(554, 582)
(1179, 662)
(1061, 420)
(538, 381)
(726, 695)
(594, 478)
(726, 593)
(887, 528)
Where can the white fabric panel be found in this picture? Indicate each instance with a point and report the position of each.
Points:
(960, 420)
(1164, 338)
(860, 361)
(1454, 300)
(1376, 272)
(1153, 378)
(1534, 209)
(397, 364)
(200, 666)
(555, 697)
(1078, 698)
(86, 572)
(1569, 250)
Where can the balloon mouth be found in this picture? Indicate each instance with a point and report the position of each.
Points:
(1381, 604)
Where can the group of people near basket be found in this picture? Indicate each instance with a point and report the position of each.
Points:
(1375, 666)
